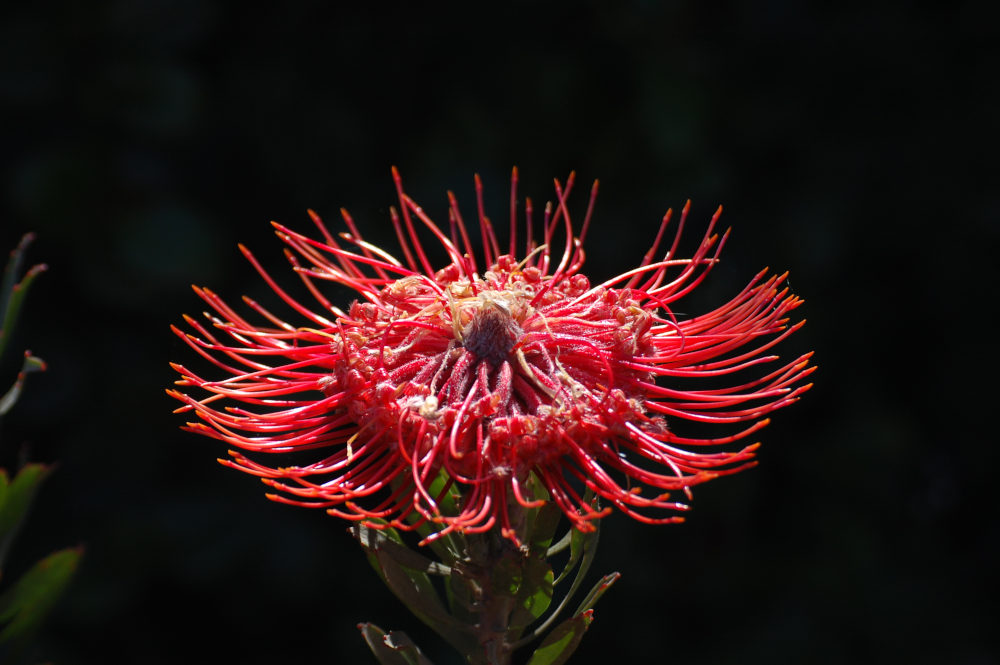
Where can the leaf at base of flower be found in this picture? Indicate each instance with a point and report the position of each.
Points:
(24, 605)
(583, 546)
(404, 574)
(541, 523)
(372, 539)
(595, 594)
(394, 648)
(450, 547)
(562, 641)
(534, 595)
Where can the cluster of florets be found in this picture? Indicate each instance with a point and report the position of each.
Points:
(484, 380)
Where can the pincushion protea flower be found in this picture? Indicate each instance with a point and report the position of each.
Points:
(496, 367)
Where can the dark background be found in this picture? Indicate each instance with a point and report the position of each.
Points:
(852, 146)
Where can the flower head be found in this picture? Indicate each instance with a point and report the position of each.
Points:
(499, 367)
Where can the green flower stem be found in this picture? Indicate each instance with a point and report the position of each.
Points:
(498, 589)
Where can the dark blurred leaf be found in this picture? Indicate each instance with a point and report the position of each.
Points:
(25, 604)
(31, 364)
(15, 501)
(10, 272)
(12, 292)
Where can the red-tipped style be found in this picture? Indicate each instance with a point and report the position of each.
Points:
(506, 362)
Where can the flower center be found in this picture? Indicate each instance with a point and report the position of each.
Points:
(492, 333)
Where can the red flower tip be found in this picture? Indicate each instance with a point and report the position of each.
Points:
(450, 395)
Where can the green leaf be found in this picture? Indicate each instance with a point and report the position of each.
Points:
(24, 605)
(534, 595)
(562, 544)
(583, 550)
(15, 500)
(389, 541)
(542, 527)
(412, 585)
(450, 547)
(595, 594)
(394, 648)
(562, 641)
(539, 523)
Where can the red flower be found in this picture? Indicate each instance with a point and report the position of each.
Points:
(488, 377)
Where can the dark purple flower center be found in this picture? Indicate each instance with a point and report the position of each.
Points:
(492, 333)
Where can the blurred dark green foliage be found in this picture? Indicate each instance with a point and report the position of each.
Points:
(26, 600)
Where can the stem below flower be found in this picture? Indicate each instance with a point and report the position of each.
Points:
(494, 568)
